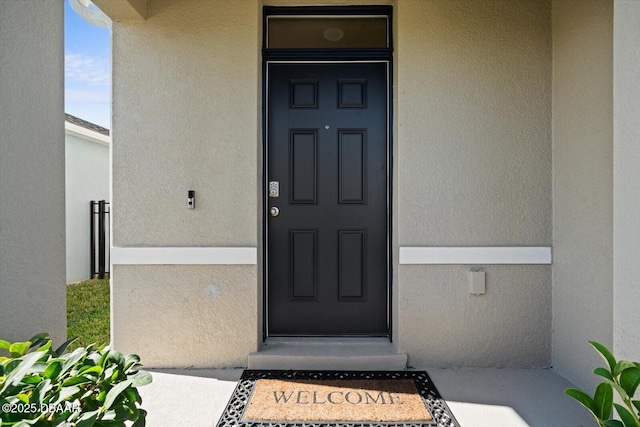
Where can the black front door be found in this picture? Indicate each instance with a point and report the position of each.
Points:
(327, 160)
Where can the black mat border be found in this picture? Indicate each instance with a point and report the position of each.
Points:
(232, 415)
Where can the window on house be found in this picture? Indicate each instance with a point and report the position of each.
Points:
(327, 32)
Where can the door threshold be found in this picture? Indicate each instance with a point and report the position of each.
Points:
(353, 340)
(328, 353)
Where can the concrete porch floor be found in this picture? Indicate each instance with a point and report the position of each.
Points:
(478, 397)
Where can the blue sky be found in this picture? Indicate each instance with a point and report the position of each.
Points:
(87, 75)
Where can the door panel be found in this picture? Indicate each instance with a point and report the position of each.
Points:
(327, 248)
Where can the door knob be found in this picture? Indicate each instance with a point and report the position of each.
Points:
(274, 211)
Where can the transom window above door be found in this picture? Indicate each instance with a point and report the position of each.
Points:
(326, 32)
(327, 28)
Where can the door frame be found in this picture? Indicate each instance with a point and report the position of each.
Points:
(325, 56)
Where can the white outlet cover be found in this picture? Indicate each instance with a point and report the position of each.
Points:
(477, 282)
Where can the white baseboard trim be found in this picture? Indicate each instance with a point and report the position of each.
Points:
(476, 255)
(183, 256)
(408, 255)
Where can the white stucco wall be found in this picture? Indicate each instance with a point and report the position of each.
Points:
(186, 116)
(32, 227)
(185, 316)
(583, 185)
(472, 167)
(86, 179)
(626, 179)
(473, 150)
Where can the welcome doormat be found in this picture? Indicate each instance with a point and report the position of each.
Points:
(336, 398)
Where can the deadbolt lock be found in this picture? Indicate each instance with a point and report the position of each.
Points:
(274, 189)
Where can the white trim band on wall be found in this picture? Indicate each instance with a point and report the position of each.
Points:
(182, 256)
(476, 255)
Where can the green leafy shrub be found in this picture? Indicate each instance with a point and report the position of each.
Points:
(90, 386)
(624, 377)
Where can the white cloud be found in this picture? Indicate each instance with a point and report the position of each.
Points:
(92, 70)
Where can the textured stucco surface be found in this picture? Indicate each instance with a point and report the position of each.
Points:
(186, 105)
(583, 185)
(626, 179)
(185, 316)
(185, 117)
(473, 169)
(442, 324)
(474, 123)
(86, 179)
(32, 227)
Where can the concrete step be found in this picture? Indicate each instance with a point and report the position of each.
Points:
(348, 354)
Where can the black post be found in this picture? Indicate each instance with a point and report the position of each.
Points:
(101, 240)
(92, 239)
(107, 246)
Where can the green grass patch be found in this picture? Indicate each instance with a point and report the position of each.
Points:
(88, 312)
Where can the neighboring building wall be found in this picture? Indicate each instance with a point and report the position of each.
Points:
(626, 180)
(473, 167)
(186, 116)
(32, 235)
(583, 185)
(87, 178)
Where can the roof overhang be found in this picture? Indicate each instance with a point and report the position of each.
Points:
(86, 134)
(119, 10)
